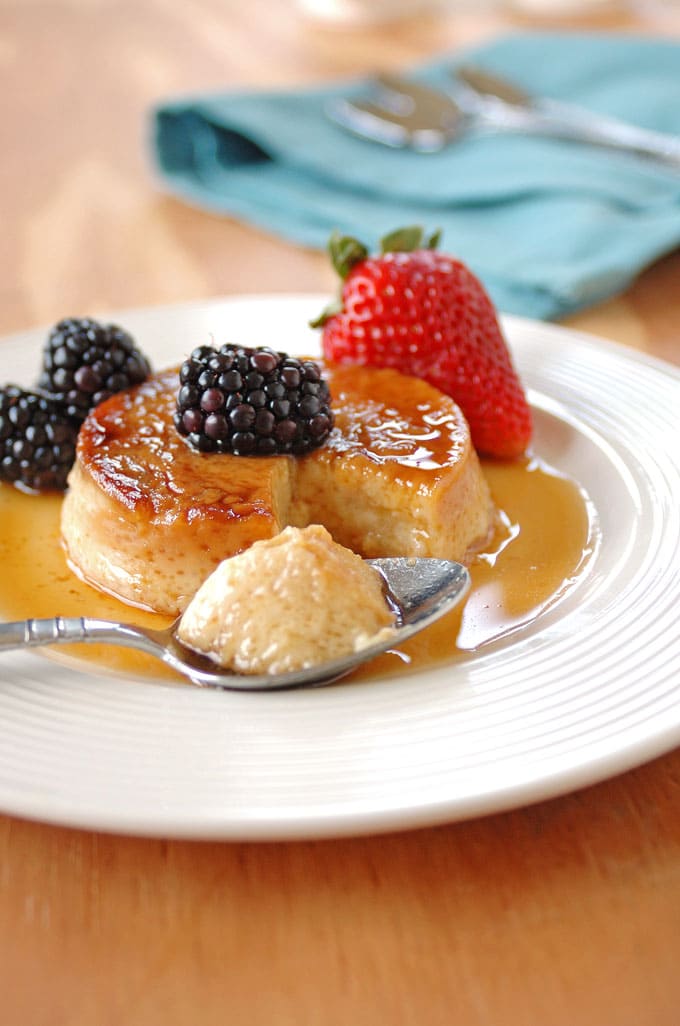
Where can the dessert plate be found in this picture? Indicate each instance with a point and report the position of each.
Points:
(589, 689)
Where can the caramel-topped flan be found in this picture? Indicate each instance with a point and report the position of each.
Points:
(148, 518)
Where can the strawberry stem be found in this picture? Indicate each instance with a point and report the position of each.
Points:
(333, 308)
(409, 239)
(345, 252)
(403, 240)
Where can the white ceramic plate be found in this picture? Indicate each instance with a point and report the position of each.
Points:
(588, 690)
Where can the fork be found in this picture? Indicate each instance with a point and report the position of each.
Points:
(403, 113)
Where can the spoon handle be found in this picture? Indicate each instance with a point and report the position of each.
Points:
(551, 118)
(59, 630)
(504, 105)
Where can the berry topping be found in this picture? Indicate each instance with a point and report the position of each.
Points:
(426, 314)
(252, 402)
(37, 440)
(85, 362)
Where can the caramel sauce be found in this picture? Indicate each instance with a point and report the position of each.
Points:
(545, 539)
(133, 452)
(37, 582)
(547, 535)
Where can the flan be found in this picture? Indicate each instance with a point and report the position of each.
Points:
(147, 518)
(331, 601)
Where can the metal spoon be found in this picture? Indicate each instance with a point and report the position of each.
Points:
(401, 113)
(406, 113)
(420, 591)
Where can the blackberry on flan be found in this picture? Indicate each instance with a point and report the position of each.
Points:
(147, 517)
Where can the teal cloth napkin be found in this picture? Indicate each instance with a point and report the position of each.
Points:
(549, 226)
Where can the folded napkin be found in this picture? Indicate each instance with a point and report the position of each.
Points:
(549, 226)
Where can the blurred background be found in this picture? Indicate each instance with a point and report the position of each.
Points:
(88, 224)
(563, 913)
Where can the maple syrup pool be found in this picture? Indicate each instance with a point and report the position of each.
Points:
(541, 550)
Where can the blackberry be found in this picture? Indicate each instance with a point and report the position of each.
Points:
(85, 362)
(252, 402)
(37, 440)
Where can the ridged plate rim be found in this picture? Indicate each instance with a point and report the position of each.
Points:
(587, 692)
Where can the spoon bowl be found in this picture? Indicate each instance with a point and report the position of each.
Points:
(420, 591)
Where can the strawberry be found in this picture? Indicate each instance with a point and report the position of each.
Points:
(426, 314)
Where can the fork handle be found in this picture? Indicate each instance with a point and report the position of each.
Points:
(59, 630)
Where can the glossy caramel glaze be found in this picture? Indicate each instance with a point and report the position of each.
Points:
(130, 448)
(395, 422)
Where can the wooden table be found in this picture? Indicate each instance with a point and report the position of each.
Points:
(560, 914)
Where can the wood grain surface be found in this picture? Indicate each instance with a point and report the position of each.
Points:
(564, 913)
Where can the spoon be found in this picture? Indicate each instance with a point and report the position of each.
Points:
(420, 591)
(401, 112)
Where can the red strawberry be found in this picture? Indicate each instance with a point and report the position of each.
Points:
(426, 314)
